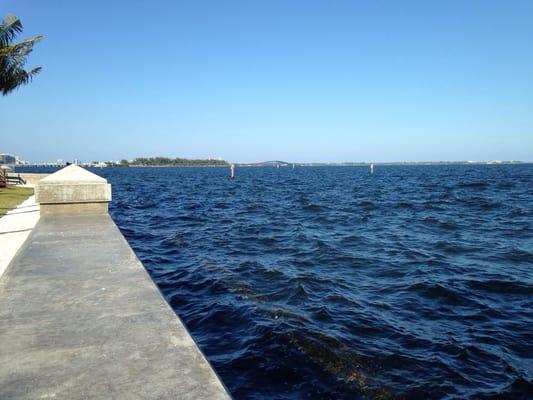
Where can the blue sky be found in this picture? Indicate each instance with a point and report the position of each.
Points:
(261, 80)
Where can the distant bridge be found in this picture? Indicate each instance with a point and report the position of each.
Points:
(274, 163)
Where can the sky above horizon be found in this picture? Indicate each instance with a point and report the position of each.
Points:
(300, 81)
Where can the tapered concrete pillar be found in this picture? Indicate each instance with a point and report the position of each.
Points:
(73, 190)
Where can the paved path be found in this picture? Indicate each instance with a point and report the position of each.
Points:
(15, 227)
(81, 319)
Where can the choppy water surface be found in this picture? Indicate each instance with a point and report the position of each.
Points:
(414, 282)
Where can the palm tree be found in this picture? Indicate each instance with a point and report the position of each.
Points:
(13, 56)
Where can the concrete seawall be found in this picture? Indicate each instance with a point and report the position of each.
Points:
(82, 319)
(30, 178)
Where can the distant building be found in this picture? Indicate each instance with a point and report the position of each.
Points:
(8, 159)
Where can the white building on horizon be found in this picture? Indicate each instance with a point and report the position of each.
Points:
(9, 159)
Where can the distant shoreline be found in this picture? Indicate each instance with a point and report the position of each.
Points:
(384, 163)
(172, 166)
(276, 164)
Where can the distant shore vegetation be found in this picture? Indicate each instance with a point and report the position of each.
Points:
(172, 162)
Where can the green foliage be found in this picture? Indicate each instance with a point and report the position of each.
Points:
(13, 56)
(12, 196)
(176, 162)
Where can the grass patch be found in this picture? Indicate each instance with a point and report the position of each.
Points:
(11, 197)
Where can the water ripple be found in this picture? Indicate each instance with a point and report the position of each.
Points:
(414, 282)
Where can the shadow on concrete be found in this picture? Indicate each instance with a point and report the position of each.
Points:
(22, 230)
(22, 212)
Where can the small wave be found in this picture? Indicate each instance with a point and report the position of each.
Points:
(501, 286)
(298, 295)
(174, 240)
(482, 203)
(405, 205)
(448, 225)
(313, 207)
(367, 205)
(518, 212)
(145, 205)
(436, 291)
(473, 185)
(520, 389)
(454, 247)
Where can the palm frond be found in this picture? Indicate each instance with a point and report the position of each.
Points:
(9, 29)
(17, 79)
(13, 56)
(25, 46)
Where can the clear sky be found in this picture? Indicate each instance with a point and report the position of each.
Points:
(262, 80)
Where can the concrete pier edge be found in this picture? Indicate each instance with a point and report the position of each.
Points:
(81, 317)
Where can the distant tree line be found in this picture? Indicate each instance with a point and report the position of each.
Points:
(172, 162)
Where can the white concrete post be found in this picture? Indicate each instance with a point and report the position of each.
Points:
(73, 190)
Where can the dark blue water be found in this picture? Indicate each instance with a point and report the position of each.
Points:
(331, 283)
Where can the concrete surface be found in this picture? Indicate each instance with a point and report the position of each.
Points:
(73, 174)
(75, 208)
(81, 319)
(72, 185)
(15, 227)
(31, 178)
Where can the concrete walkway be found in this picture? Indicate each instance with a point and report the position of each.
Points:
(15, 228)
(81, 319)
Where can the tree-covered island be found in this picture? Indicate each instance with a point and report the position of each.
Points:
(172, 162)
